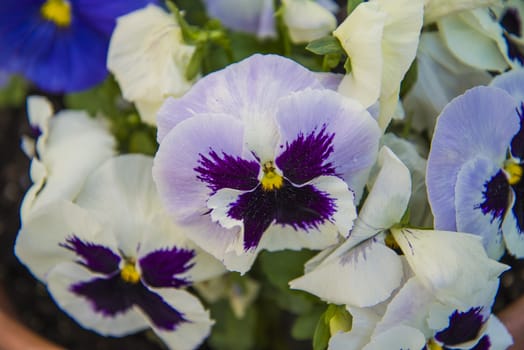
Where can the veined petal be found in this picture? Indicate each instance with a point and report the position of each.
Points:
(452, 265)
(364, 276)
(466, 129)
(482, 198)
(42, 239)
(361, 37)
(323, 133)
(119, 319)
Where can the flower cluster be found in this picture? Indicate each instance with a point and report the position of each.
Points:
(366, 183)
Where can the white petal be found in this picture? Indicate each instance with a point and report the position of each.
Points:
(188, 335)
(513, 238)
(452, 265)
(148, 56)
(62, 277)
(76, 145)
(399, 337)
(361, 37)
(364, 322)
(307, 20)
(499, 336)
(39, 239)
(364, 276)
(410, 307)
(40, 111)
(435, 9)
(482, 36)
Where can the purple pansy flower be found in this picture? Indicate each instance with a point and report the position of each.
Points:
(60, 45)
(475, 165)
(115, 262)
(262, 155)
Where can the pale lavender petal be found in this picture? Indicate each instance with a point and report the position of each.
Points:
(482, 198)
(248, 90)
(511, 81)
(480, 122)
(326, 134)
(184, 182)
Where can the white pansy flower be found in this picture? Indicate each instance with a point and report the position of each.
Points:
(69, 146)
(148, 57)
(380, 38)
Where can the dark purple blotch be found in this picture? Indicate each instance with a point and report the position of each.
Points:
(463, 327)
(160, 267)
(517, 143)
(95, 257)
(226, 171)
(299, 207)
(306, 157)
(112, 296)
(496, 197)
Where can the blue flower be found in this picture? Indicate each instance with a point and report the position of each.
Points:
(262, 155)
(474, 174)
(60, 45)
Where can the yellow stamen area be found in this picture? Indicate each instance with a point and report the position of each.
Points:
(433, 346)
(271, 180)
(390, 241)
(57, 11)
(513, 171)
(129, 273)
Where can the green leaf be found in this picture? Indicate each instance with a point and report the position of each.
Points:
(283, 266)
(409, 79)
(230, 333)
(195, 64)
(326, 45)
(14, 93)
(141, 141)
(321, 335)
(103, 98)
(304, 326)
(347, 65)
(352, 4)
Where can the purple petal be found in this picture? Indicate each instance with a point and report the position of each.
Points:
(95, 257)
(302, 208)
(160, 267)
(179, 154)
(108, 296)
(305, 157)
(483, 344)
(337, 133)
(247, 89)
(113, 296)
(481, 122)
(463, 327)
(227, 171)
(517, 143)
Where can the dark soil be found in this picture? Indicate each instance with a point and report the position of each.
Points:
(29, 298)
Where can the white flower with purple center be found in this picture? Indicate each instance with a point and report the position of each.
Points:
(475, 165)
(262, 155)
(115, 262)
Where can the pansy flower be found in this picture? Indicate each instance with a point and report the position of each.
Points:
(261, 155)
(367, 267)
(475, 165)
(60, 45)
(115, 262)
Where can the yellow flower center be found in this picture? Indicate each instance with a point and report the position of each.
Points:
(513, 171)
(271, 180)
(433, 346)
(129, 273)
(58, 11)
